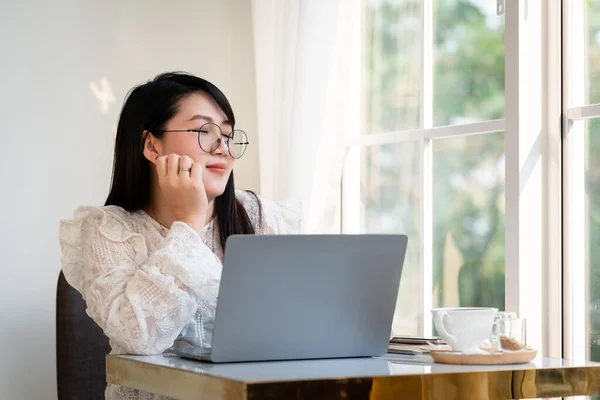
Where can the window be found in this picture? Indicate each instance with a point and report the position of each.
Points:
(468, 221)
(431, 154)
(582, 178)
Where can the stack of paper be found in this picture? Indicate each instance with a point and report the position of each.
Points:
(414, 345)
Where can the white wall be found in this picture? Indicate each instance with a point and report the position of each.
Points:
(56, 143)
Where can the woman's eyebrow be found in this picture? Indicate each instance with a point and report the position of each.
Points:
(208, 119)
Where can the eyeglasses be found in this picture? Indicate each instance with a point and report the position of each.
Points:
(210, 137)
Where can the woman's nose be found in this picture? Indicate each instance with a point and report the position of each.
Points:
(222, 148)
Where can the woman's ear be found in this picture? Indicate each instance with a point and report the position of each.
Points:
(152, 146)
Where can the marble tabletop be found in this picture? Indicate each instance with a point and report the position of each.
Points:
(353, 378)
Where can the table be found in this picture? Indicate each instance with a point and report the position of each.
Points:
(389, 377)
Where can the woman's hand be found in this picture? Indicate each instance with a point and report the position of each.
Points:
(180, 180)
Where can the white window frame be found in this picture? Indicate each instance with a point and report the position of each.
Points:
(533, 170)
(525, 197)
(576, 208)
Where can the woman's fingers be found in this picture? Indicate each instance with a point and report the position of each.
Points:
(172, 165)
(180, 180)
(196, 173)
(161, 166)
(185, 166)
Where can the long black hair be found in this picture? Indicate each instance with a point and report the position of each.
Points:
(149, 107)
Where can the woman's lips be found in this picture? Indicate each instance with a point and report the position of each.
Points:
(216, 168)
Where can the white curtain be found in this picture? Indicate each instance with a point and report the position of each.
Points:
(307, 59)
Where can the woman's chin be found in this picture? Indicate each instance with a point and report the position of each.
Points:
(214, 191)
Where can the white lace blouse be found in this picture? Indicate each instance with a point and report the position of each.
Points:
(149, 287)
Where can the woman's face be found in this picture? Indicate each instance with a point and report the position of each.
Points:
(194, 111)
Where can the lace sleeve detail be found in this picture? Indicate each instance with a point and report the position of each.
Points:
(271, 218)
(141, 300)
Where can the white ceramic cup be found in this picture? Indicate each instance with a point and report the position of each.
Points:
(464, 328)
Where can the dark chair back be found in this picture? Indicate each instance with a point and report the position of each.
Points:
(81, 348)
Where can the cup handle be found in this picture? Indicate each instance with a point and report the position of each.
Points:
(440, 317)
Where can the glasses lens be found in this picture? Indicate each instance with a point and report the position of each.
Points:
(238, 143)
(209, 137)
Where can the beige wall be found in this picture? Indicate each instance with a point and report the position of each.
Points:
(56, 140)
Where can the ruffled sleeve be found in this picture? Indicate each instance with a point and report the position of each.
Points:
(142, 300)
(272, 218)
(281, 218)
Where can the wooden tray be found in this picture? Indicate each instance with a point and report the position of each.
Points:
(505, 357)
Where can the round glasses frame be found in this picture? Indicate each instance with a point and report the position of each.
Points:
(212, 135)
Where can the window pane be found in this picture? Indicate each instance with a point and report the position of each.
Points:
(391, 58)
(592, 183)
(592, 83)
(390, 199)
(468, 82)
(468, 221)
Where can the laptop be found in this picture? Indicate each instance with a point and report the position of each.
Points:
(294, 297)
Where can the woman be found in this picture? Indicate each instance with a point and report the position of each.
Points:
(148, 263)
